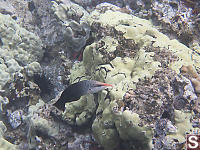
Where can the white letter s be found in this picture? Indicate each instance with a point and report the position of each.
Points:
(193, 140)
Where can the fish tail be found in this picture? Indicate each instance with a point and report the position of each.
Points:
(60, 105)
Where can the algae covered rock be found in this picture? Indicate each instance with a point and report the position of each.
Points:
(131, 54)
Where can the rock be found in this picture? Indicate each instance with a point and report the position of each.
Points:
(74, 18)
(33, 68)
(3, 102)
(43, 129)
(15, 119)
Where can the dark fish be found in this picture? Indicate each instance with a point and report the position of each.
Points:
(76, 90)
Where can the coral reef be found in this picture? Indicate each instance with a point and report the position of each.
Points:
(18, 43)
(20, 92)
(80, 112)
(21, 51)
(176, 18)
(35, 16)
(43, 130)
(19, 48)
(39, 17)
(155, 99)
(15, 119)
(132, 55)
(39, 126)
(73, 18)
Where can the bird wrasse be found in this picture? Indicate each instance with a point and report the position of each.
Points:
(74, 91)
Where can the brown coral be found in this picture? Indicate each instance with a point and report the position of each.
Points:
(195, 79)
(193, 76)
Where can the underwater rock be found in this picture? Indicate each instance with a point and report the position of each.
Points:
(47, 131)
(6, 8)
(177, 19)
(129, 53)
(149, 105)
(82, 142)
(5, 76)
(32, 68)
(73, 18)
(54, 77)
(184, 93)
(43, 129)
(2, 129)
(172, 136)
(5, 145)
(17, 94)
(15, 119)
(36, 16)
(20, 92)
(90, 5)
(3, 101)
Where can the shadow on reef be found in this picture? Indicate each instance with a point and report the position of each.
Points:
(45, 85)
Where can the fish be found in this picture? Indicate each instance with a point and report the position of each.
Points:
(74, 91)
